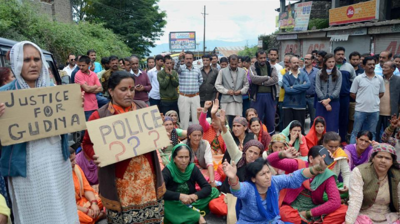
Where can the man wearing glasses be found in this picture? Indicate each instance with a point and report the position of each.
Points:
(71, 64)
(311, 71)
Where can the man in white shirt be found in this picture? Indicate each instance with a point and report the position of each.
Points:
(384, 56)
(154, 94)
(273, 60)
(71, 64)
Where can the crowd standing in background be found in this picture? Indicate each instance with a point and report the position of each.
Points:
(301, 139)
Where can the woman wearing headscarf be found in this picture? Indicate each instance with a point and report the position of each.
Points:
(360, 152)
(131, 190)
(202, 155)
(295, 138)
(183, 204)
(39, 171)
(374, 196)
(88, 167)
(240, 133)
(262, 136)
(252, 150)
(212, 133)
(175, 117)
(174, 134)
(316, 132)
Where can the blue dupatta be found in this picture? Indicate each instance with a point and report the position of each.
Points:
(272, 212)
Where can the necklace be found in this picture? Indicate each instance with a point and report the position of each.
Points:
(382, 178)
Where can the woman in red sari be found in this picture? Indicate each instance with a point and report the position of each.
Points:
(132, 189)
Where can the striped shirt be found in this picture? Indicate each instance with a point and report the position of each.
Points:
(190, 80)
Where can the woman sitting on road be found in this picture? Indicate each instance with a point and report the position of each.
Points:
(250, 113)
(316, 132)
(252, 150)
(212, 133)
(340, 166)
(305, 204)
(259, 134)
(258, 195)
(126, 204)
(183, 204)
(174, 134)
(295, 138)
(374, 189)
(90, 208)
(240, 133)
(175, 118)
(360, 152)
(202, 155)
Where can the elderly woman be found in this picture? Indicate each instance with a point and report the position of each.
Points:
(258, 195)
(175, 117)
(183, 204)
(374, 188)
(212, 133)
(240, 133)
(39, 171)
(202, 155)
(174, 134)
(124, 203)
(360, 152)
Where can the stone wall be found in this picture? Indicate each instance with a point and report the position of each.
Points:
(59, 10)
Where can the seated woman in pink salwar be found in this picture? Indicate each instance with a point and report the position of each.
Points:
(373, 189)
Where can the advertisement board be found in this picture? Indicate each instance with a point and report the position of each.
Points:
(360, 12)
(182, 40)
(296, 17)
(302, 16)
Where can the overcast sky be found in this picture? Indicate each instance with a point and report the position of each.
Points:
(231, 20)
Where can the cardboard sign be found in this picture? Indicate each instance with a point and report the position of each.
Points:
(123, 136)
(41, 112)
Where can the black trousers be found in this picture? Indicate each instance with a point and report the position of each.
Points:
(166, 106)
(290, 114)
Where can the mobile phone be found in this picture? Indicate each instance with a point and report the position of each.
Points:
(328, 158)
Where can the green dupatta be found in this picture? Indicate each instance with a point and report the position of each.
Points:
(177, 175)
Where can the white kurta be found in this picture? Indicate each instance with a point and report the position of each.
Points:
(47, 193)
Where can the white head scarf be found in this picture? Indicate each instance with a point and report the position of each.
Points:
(17, 60)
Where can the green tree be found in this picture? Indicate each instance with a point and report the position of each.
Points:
(79, 9)
(138, 22)
(248, 51)
(26, 22)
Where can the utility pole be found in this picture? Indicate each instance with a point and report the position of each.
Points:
(204, 36)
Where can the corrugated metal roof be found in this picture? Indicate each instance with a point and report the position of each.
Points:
(227, 51)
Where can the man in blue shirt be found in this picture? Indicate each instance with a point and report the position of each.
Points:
(384, 56)
(310, 93)
(190, 80)
(348, 75)
(97, 65)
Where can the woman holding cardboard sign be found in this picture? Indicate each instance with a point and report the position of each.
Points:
(39, 171)
(131, 199)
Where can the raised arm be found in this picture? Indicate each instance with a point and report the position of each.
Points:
(233, 149)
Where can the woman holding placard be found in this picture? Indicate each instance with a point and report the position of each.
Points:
(127, 197)
(39, 171)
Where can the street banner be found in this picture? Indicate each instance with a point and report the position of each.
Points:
(360, 12)
(124, 136)
(37, 113)
(286, 19)
(182, 41)
(302, 16)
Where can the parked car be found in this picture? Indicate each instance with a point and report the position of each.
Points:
(6, 45)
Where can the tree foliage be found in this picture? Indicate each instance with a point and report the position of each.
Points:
(26, 22)
(269, 41)
(248, 51)
(138, 22)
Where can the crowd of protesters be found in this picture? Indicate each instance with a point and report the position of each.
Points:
(226, 140)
